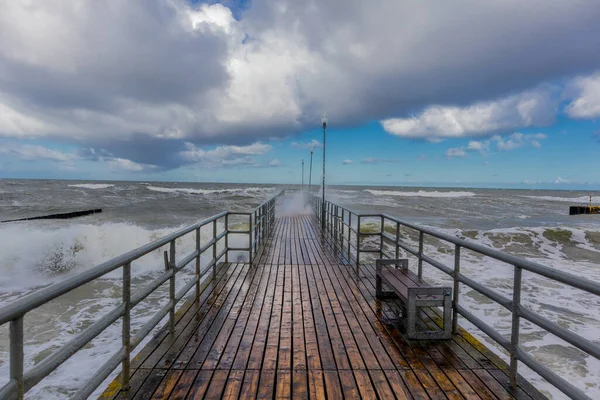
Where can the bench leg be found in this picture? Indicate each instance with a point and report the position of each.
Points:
(380, 293)
(411, 316)
(447, 316)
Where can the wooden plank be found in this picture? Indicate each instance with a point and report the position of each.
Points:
(200, 384)
(494, 386)
(316, 385)
(247, 322)
(164, 355)
(267, 384)
(430, 384)
(325, 350)
(365, 387)
(400, 390)
(339, 351)
(195, 350)
(184, 384)
(150, 384)
(283, 389)
(234, 385)
(313, 358)
(269, 360)
(298, 343)
(186, 354)
(332, 384)
(250, 385)
(136, 381)
(355, 353)
(285, 332)
(222, 335)
(381, 343)
(167, 385)
(299, 384)
(416, 387)
(256, 329)
(217, 384)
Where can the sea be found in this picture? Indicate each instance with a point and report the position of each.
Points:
(533, 224)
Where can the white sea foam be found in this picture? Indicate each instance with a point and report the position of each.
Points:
(92, 185)
(209, 191)
(420, 193)
(574, 200)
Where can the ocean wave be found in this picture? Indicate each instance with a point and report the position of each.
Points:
(209, 191)
(576, 200)
(92, 185)
(41, 256)
(420, 193)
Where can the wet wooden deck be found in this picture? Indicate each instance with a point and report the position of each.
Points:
(299, 323)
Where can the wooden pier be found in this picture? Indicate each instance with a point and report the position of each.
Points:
(301, 323)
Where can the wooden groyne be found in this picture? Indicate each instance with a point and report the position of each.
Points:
(578, 210)
(67, 215)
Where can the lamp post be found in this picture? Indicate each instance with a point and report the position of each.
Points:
(310, 169)
(324, 122)
(303, 174)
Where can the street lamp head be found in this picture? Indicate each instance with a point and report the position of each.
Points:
(324, 119)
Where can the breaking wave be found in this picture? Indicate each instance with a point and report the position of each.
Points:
(92, 185)
(242, 191)
(420, 193)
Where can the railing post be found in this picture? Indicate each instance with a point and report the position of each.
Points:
(421, 240)
(358, 240)
(381, 238)
(17, 355)
(227, 238)
(250, 241)
(516, 321)
(342, 233)
(214, 248)
(126, 331)
(172, 287)
(198, 265)
(349, 233)
(456, 288)
(398, 240)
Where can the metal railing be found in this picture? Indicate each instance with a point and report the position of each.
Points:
(344, 228)
(261, 221)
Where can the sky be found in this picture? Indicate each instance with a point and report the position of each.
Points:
(417, 92)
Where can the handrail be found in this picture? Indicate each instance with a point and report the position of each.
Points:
(263, 219)
(348, 239)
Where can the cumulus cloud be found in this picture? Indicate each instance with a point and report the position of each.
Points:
(122, 164)
(166, 73)
(586, 102)
(274, 163)
(533, 108)
(455, 152)
(347, 162)
(560, 181)
(502, 143)
(313, 144)
(32, 153)
(224, 155)
(517, 140)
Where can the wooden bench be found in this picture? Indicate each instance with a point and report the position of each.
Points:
(414, 292)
